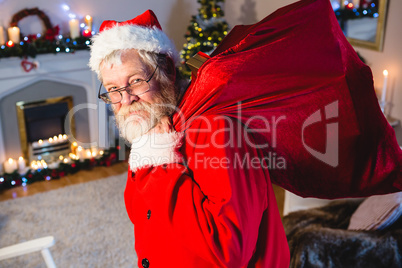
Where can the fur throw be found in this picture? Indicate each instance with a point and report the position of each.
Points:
(319, 238)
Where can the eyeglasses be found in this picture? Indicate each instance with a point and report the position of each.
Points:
(138, 87)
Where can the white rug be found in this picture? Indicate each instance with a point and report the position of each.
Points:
(88, 221)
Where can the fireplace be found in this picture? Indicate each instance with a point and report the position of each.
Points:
(41, 124)
(58, 76)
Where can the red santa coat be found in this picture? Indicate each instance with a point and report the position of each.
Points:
(295, 63)
(215, 209)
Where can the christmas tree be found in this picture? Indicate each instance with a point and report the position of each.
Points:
(205, 32)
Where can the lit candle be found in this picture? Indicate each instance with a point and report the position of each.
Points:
(10, 165)
(34, 165)
(21, 163)
(88, 153)
(88, 22)
(80, 152)
(384, 87)
(74, 147)
(94, 151)
(2, 36)
(50, 140)
(54, 165)
(74, 28)
(14, 34)
(356, 3)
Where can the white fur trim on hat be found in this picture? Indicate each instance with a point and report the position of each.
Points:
(155, 149)
(129, 37)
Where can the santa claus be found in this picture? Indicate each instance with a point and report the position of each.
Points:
(199, 183)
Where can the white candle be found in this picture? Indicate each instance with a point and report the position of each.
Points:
(2, 36)
(88, 153)
(384, 87)
(10, 165)
(94, 151)
(21, 163)
(88, 22)
(54, 165)
(80, 152)
(14, 34)
(74, 28)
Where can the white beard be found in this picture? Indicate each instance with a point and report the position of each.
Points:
(136, 125)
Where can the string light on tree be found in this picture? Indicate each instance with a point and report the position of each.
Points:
(207, 25)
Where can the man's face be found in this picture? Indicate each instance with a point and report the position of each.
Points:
(135, 115)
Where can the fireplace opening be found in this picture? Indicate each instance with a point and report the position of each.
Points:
(42, 128)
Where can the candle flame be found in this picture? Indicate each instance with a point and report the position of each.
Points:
(21, 158)
(10, 160)
(385, 72)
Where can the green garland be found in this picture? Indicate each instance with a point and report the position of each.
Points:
(43, 46)
(15, 179)
(48, 42)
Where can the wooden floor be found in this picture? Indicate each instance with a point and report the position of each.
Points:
(79, 177)
(90, 175)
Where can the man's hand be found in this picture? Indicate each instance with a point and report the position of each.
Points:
(165, 125)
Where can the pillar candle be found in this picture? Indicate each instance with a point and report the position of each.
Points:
(356, 3)
(74, 28)
(21, 163)
(10, 165)
(14, 34)
(80, 152)
(88, 154)
(384, 87)
(2, 36)
(88, 22)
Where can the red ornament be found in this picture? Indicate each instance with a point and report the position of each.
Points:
(10, 43)
(28, 65)
(73, 165)
(87, 33)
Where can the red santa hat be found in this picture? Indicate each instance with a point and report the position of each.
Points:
(142, 33)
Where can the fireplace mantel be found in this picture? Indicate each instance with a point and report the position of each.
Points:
(69, 68)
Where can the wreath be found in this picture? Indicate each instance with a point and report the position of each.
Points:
(50, 33)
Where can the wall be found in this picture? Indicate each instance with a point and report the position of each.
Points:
(174, 16)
